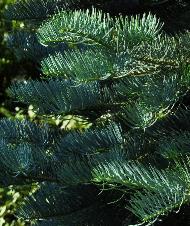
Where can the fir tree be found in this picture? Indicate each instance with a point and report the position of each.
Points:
(130, 80)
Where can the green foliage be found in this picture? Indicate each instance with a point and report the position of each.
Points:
(9, 196)
(25, 10)
(128, 79)
(5, 56)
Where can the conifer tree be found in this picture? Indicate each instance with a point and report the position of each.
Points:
(131, 81)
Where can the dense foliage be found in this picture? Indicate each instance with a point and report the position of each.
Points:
(11, 68)
(128, 77)
(5, 55)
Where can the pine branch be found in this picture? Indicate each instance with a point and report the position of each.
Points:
(149, 206)
(82, 66)
(92, 141)
(96, 28)
(26, 46)
(124, 67)
(133, 31)
(56, 96)
(77, 205)
(36, 10)
(92, 28)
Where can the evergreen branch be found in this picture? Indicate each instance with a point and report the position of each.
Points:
(77, 168)
(133, 31)
(172, 194)
(175, 145)
(34, 9)
(92, 141)
(138, 116)
(98, 29)
(184, 45)
(62, 96)
(92, 28)
(81, 66)
(137, 145)
(175, 123)
(26, 46)
(155, 97)
(162, 51)
(132, 175)
(56, 96)
(26, 148)
(16, 130)
(18, 160)
(77, 205)
(70, 200)
(94, 65)
(148, 206)
(122, 67)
